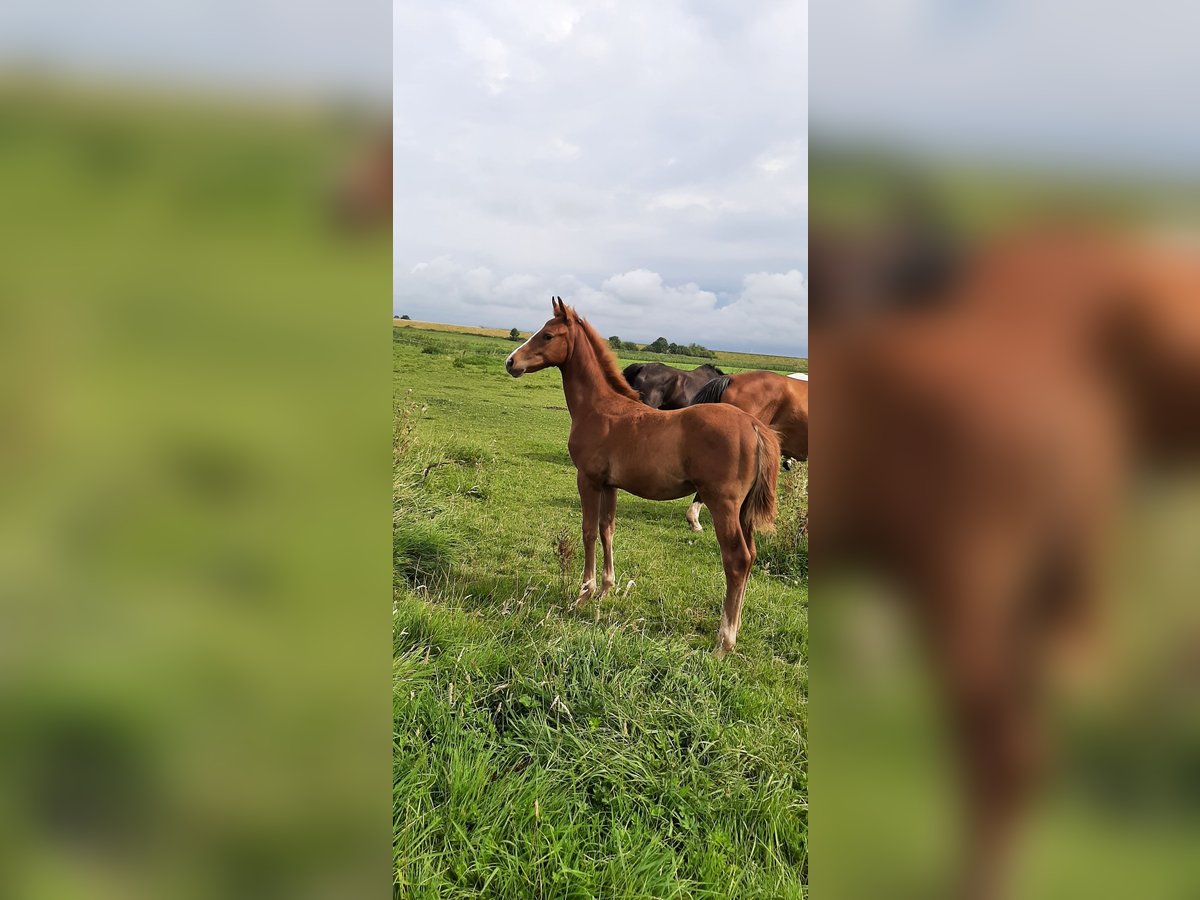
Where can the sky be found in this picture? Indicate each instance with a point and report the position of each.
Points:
(648, 160)
(323, 46)
(1069, 83)
(645, 161)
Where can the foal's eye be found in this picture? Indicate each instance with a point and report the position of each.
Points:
(546, 335)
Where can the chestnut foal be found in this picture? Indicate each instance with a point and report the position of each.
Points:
(717, 451)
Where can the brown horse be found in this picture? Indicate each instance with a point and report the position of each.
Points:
(779, 401)
(990, 492)
(617, 442)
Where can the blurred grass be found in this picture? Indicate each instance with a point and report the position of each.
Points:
(854, 186)
(194, 533)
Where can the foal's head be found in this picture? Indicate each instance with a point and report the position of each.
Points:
(551, 345)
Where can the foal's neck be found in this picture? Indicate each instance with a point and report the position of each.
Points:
(584, 384)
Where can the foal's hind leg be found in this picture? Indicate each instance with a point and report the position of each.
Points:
(693, 514)
(737, 559)
(748, 537)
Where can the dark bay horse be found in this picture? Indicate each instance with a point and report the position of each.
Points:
(618, 442)
(665, 387)
(777, 400)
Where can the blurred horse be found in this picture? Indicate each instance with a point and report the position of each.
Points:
(361, 198)
(990, 492)
(665, 387)
(618, 442)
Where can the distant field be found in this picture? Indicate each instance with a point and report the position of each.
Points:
(726, 359)
(541, 751)
(456, 329)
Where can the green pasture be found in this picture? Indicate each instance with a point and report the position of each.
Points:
(541, 751)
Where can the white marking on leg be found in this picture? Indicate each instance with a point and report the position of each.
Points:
(586, 591)
(724, 640)
(610, 575)
(693, 516)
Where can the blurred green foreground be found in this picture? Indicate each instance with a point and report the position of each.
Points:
(194, 559)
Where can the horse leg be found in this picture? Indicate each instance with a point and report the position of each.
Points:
(748, 538)
(589, 499)
(608, 524)
(988, 674)
(693, 514)
(736, 558)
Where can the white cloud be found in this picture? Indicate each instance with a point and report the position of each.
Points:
(594, 140)
(558, 148)
(767, 312)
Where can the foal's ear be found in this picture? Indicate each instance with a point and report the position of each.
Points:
(560, 309)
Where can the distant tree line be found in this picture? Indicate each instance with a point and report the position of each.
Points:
(662, 345)
(659, 345)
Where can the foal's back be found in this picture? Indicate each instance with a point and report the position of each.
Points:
(667, 454)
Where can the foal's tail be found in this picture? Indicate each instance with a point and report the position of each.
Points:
(758, 509)
(712, 392)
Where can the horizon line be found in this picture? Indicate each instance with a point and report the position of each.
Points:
(396, 318)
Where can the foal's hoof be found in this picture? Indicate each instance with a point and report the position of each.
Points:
(720, 651)
(586, 593)
(695, 526)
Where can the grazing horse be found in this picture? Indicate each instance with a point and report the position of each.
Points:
(665, 387)
(618, 442)
(780, 402)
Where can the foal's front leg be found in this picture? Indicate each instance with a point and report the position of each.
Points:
(608, 524)
(589, 499)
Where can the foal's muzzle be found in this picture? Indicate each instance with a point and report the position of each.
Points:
(513, 370)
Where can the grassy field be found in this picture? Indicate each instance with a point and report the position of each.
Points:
(546, 752)
(728, 360)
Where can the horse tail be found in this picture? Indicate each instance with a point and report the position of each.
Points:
(758, 509)
(712, 392)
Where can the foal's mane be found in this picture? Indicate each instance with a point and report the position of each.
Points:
(604, 356)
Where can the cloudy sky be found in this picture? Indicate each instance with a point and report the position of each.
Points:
(1068, 83)
(646, 161)
(337, 46)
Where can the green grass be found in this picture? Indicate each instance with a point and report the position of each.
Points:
(541, 751)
